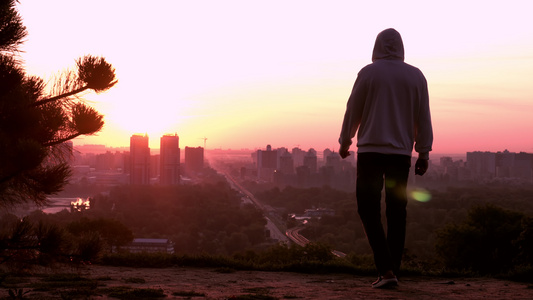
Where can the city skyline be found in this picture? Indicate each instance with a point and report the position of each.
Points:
(243, 74)
(100, 148)
(283, 166)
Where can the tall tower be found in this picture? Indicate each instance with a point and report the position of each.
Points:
(194, 159)
(139, 160)
(267, 163)
(170, 160)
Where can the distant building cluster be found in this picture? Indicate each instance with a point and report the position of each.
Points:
(301, 168)
(137, 166)
(281, 166)
(486, 167)
(305, 169)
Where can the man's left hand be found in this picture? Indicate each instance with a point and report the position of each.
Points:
(421, 166)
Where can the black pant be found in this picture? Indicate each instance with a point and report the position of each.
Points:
(374, 170)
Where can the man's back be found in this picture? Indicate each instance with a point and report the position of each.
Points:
(389, 104)
(396, 94)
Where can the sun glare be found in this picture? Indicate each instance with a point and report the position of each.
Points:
(137, 122)
(154, 124)
(286, 81)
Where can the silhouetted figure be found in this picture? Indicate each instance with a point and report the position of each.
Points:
(389, 110)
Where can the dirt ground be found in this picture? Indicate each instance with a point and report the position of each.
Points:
(210, 284)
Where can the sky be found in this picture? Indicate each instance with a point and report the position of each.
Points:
(246, 74)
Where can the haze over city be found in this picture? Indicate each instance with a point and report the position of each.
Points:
(244, 74)
(219, 172)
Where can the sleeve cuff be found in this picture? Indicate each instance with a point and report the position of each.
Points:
(424, 155)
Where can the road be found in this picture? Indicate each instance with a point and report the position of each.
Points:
(292, 234)
(275, 233)
(295, 236)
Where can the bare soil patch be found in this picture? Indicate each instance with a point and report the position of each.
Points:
(198, 283)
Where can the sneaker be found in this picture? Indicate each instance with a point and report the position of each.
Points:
(385, 282)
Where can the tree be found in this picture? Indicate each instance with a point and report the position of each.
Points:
(487, 241)
(112, 232)
(37, 120)
(24, 243)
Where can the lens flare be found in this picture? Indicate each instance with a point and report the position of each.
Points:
(421, 195)
(389, 183)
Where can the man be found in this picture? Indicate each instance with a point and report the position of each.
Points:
(389, 110)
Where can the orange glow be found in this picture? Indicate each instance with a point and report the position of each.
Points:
(245, 74)
(80, 204)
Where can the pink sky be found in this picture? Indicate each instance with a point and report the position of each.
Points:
(245, 74)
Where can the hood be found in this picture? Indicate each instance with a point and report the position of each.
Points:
(388, 45)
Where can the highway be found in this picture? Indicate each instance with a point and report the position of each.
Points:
(292, 234)
(275, 233)
(296, 237)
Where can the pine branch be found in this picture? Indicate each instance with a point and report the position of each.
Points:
(59, 141)
(55, 98)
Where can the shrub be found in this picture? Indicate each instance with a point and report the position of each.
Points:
(485, 242)
(89, 247)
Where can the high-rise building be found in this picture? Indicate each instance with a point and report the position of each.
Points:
(194, 159)
(286, 163)
(268, 158)
(482, 165)
(523, 167)
(333, 160)
(139, 160)
(505, 162)
(298, 156)
(169, 160)
(311, 161)
(267, 163)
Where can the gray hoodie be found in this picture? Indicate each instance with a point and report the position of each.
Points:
(389, 104)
